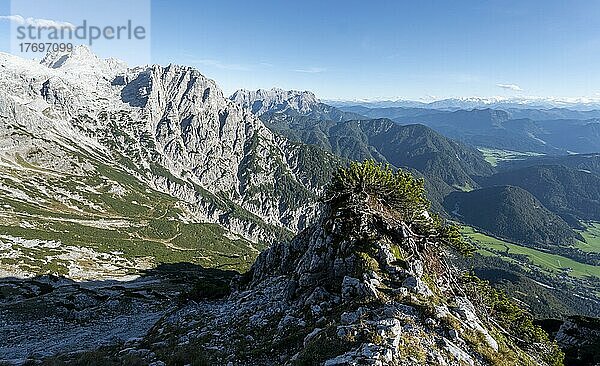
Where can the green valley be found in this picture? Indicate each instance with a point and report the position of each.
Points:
(495, 156)
(551, 263)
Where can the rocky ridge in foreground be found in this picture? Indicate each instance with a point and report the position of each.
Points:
(367, 284)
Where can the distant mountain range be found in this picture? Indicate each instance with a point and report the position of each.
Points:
(578, 104)
(543, 131)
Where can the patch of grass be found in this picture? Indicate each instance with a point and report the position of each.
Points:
(494, 156)
(396, 251)
(204, 244)
(323, 346)
(591, 234)
(366, 263)
(505, 356)
(410, 347)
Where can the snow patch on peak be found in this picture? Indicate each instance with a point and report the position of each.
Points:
(521, 102)
(81, 59)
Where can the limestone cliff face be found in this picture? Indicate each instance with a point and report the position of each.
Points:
(262, 101)
(278, 102)
(169, 126)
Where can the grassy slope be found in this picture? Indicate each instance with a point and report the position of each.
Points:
(135, 223)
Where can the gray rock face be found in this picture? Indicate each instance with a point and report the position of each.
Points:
(262, 101)
(416, 285)
(47, 315)
(221, 147)
(169, 126)
(579, 337)
(288, 102)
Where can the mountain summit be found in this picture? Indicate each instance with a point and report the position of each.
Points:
(81, 59)
(275, 103)
(261, 100)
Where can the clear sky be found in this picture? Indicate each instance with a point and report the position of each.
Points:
(385, 49)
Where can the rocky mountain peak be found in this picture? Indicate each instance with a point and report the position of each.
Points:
(169, 127)
(366, 284)
(357, 235)
(82, 60)
(261, 101)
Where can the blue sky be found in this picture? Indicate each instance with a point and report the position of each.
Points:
(384, 49)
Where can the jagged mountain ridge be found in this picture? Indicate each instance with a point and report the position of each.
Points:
(192, 124)
(303, 103)
(261, 100)
(357, 138)
(77, 117)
